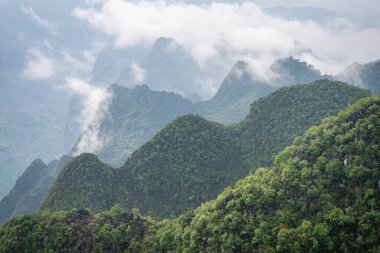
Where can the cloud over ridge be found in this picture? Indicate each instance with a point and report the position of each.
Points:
(245, 29)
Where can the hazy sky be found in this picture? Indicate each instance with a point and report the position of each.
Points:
(245, 27)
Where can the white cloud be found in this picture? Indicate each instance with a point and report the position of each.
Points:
(245, 27)
(44, 62)
(39, 66)
(95, 105)
(138, 73)
(29, 11)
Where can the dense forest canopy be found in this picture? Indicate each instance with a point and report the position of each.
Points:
(321, 195)
(192, 159)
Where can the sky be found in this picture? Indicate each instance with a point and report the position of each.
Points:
(245, 27)
(213, 32)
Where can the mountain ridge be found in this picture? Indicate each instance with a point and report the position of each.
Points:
(321, 195)
(169, 163)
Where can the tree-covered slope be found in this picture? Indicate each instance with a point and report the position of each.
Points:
(24, 184)
(30, 189)
(135, 116)
(290, 71)
(237, 91)
(185, 164)
(321, 195)
(85, 182)
(75, 231)
(274, 121)
(192, 159)
(364, 75)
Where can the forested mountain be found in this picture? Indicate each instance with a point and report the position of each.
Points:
(274, 121)
(134, 116)
(364, 75)
(237, 91)
(192, 159)
(321, 195)
(24, 184)
(290, 71)
(30, 189)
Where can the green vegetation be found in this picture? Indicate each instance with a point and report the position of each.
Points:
(237, 91)
(191, 160)
(321, 195)
(25, 184)
(30, 189)
(290, 71)
(74, 231)
(363, 75)
(274, 121)
(134, 117)
(84, 182)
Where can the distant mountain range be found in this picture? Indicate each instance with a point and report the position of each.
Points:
(136, 115)
(321, 195)
(192, 159)
(364, 75)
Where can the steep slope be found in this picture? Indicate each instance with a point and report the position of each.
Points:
(24, 184)
(322, 195)
(364, 75)
(168, 66)
(185, 164)
(134, 116)
(274, 121)
(91, 188)
(192, 159)
(290, 71)
(28, 193)
(238, 90)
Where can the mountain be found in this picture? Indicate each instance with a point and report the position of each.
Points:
(274, 121)
(192, 159)
(290, 71)
(238, 90)
(92, 178)
(363, 75)
(167, 66)
(30, 189)
(322, 195)
(33, 111)
(116, 65)
(134, 116)
(24, 184)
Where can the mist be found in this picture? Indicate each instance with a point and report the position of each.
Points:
(55, 50)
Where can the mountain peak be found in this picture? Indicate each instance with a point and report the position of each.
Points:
(290, 70)
(163, 43)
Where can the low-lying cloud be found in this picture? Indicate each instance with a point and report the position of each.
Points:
(244, 28)
(94, 106)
